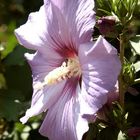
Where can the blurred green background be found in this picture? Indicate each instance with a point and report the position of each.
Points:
(16, 79)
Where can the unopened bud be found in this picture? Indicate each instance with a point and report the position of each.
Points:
(107, 26)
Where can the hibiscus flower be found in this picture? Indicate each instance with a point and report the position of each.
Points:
(71, 74)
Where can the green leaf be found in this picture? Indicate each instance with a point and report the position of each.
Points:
(10, 104)
(135, 43)
(137, 66)
(2, 81)
(108, 133)
(128, 74)
(19, 127)
(8, 39)
(17, 56)
(10, 45)
(122, 136)
(19, 78)
(92, 132)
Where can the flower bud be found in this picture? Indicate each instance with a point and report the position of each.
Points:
(106, 26)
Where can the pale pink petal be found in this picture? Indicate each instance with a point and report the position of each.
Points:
(45, 96)
(63, 120)
(32, 33)
(100, 69)
(42, 64)
(112, 96)
(79, 18)
(60, 30)
(42, 32)
(43, 99)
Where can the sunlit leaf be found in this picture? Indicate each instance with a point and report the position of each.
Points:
(8, 38)
(135, 43)
(137, 66)
(122, 136)
(19, 126)
(9, 46)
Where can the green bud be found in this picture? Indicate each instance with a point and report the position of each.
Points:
(128, 74)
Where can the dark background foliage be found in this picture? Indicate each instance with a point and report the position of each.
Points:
(16, 79)
(15, 73)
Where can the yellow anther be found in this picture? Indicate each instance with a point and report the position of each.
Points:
(68, 69)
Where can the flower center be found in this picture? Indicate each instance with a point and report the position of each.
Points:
(69, 68)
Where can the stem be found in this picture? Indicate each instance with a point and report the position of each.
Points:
(121, 83)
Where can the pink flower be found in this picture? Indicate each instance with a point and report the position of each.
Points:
(71, 74)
